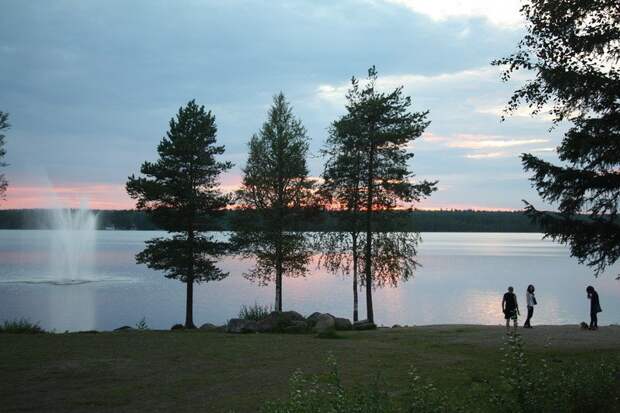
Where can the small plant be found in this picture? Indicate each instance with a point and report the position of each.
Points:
(255, 312)
(142, 325)
(538, 387)
(21, 326)
(325, 393)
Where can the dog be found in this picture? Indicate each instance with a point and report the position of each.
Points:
(584, 325)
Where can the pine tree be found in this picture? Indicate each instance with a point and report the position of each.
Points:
(4, 124)
(178, 191)
(342, 189)
(573, 49)
(380, 127)
(275, 187)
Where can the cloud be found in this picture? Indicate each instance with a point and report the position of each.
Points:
(483, 142)
(96, 196)
(501, 13)
(521, 112)
(542, 150)
(335, 93)
(488, 155)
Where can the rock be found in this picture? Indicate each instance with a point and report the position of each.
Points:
(325, 324)
(364, 325)
(312, 318)
(292, 316)
(342, 323)
(124, 328)
(268, 324)
(296, 328)
(209, 327)
(177, 327)
(239, 325)
(278, 322)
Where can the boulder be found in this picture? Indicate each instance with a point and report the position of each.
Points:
(239, 325)
(278, 322)
(342, 323)
(296, 328)
(124, 328)
(312, 318)
(177, 327)
(209, 327)
(364, 325)
(268, 324)
(325, 324)
(292, 316)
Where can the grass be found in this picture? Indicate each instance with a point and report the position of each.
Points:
(20, 326)
(254, 312)
(189, 371)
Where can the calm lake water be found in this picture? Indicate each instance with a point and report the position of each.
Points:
(462, 281)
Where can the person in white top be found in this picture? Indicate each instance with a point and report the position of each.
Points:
(530, 299)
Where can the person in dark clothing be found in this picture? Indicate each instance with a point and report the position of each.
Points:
(530, 299)
(595, 307)
(510, 307)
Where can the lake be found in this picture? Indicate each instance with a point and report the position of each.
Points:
(461, 282)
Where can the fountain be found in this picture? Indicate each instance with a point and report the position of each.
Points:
(72, 249)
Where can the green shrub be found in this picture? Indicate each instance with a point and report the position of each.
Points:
(526, 386)
(21, 326)
(325, 393)
(142, 325)
(254, 312)
(522, 386)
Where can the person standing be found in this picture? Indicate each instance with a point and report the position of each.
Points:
(530, 299)
(510, 307)
(595, 307)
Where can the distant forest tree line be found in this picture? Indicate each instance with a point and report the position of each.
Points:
(322, 221)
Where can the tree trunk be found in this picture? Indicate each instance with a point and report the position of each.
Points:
(355, 316)
(278, 304)
(189, 299)
(368, 257)
(189, 305)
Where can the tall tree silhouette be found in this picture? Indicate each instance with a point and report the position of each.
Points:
(4, 124)
(573, 48)
(275, 187)
(343, 189)
(177, 191)
(380, 127)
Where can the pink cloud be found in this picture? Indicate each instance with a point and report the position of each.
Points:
(95, 196)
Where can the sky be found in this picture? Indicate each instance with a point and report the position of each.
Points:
(90, 87)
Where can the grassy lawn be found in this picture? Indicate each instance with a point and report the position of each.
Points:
(206, 371)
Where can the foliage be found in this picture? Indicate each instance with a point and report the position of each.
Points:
(20, 326)
(288, 251)
(526, 386)
(393, 256)
(573, 48)
(4, 124)
(325, 393)
(142, 325)
(322, 221)
(183, 259)
(275, 187)
(254, 312)
(178, 189)
(371, 141)
(522, 387)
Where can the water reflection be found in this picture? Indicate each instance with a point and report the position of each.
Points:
(463, 287)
